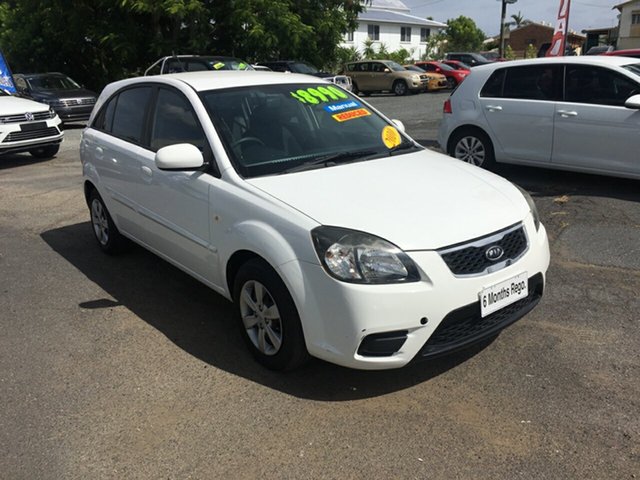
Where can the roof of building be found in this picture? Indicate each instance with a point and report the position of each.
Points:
(536, 24)
(387, 16)
(389, 5)
(618, 6)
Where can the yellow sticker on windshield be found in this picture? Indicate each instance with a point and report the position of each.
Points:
(391, 137)
(242, 66)
(218, 65)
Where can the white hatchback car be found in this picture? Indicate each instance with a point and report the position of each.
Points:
(569, 113)
(28, 126)
(333, 232)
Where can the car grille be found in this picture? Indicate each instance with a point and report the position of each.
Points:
(30, 135)
(70, 102)
(22, 117)
(470, 258)
(465, 326)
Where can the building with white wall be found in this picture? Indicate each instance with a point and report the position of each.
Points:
(629, 28)
(390, 22)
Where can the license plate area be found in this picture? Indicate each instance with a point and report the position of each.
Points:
(498, 296)
(30, 127)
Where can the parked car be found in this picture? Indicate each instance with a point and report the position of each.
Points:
(436, 81)
(71, 101)
(520, 113)
(493, 56)
(195, 63)
(28, 126)
(333, 232)
(457, 65)
(453, 77)
(600, 49)
(296, 66)
(634, 53)
(544, 48)
(471, 59)
(261, 68)
(369, 76)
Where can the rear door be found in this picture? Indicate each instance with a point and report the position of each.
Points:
(519, 105)
(593, 129)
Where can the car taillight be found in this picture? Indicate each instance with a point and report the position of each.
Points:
(447, 106)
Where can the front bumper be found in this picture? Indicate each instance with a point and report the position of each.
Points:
(338, 316)
(80, 113)
(13, 139)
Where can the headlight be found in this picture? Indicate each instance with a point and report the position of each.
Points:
(358, 257)
(415, 78)
(532, 207)
(52, 112)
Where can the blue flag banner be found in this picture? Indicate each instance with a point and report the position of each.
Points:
(6, 79)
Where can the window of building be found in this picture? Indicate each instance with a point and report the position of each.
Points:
(405, 34)
(635, 18)
(348, 37)
(424, 34)
(374, 32)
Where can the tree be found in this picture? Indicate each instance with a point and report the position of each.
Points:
(530, 52)
(463, 34)
(508, 53)
(517, 19)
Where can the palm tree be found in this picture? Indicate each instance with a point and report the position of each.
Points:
(517, 19)
(368, 51)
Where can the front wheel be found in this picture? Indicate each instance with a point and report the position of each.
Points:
(110, 240)
(474, 147)
(451, 83)
(268, 317)
(400, 88)
(45, 152)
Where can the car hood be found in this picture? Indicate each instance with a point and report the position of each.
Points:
(17, 105)
(60, 94)
(418, 201)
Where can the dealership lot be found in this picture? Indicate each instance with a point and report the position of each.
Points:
(125, 367)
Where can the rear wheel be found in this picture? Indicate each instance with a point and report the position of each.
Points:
(354, 88)
(400, 88)
(451, 82)
(268, 317)
(109, 238)
(472, 146)
(45, 152)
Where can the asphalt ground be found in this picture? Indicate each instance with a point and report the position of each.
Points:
(124, 367)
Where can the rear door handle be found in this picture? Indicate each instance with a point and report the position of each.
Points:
(494, 108)
(567, 113)
(99, 153)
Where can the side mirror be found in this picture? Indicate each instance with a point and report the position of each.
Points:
(633, 102)
(182, 156)
(398, 124)
(386, 70)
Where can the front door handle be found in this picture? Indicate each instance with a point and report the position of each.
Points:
(567, 113)
(494, 108)
(146, 171)
(99, 153)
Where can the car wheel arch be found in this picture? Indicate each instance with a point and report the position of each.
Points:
(468, 128)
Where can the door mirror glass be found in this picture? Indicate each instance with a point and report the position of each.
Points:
(633, 102)
(182, 156)
(398, 124)
(386, 70)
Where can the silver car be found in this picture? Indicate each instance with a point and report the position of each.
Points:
(569, 113)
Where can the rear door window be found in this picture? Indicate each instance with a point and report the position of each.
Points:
(533, 82)
(598, 86)
(130, 112)
(493, 87)
(104, 120)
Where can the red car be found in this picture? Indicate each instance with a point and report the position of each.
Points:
(457, 65)
(454, 76)
(634, 52)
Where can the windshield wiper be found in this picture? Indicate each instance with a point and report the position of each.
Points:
(330, 160)
(403, 146)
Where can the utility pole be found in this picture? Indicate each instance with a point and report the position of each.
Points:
(502, 17)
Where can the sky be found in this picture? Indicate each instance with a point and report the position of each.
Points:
(486, 13)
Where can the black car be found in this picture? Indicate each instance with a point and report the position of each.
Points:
(296, 66)
(470, 58)
(71, 101)
(195, 63)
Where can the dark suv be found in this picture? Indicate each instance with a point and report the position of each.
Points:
(71, 101)
(471, 59)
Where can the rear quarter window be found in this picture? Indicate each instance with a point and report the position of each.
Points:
(494, 85)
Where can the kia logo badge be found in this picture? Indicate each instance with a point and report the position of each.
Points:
(29, 116)
(494, 253)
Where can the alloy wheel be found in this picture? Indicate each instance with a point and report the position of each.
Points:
(261, 317)
(471, 150)
(100, 222)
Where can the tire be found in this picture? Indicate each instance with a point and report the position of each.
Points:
(400, 88)
(268, 318)
(473, 146)
(45, 152)
(451, 83)
(354, 88)
(109, 239)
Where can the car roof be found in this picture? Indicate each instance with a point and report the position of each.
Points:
(207, 80)
(581, 60)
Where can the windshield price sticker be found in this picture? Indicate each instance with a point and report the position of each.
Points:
(315, 95)
(218, 65)
(391, 137)
(338, 107)
(351, 114)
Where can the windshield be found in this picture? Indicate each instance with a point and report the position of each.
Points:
(414, 68)
(446, 67)
(633, 68)
(300, 67)
(396, 67)
(273, 129)
(52, 82)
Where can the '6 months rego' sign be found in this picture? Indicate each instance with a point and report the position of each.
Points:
(501, 294)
